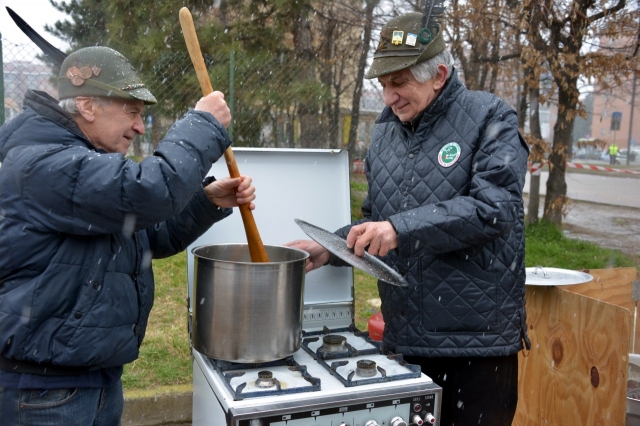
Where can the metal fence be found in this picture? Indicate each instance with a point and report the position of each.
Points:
(276, 100)
(22, 70)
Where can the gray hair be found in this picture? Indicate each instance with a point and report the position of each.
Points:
(69, 105)
(426, 70)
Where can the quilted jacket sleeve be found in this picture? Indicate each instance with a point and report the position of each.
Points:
(174, 235)
(487, 212)
(94, 193)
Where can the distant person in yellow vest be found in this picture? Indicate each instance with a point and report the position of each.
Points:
(613, 152)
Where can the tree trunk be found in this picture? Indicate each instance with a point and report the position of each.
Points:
(335, 124)
(274, 126)
(329, 127)
(534, 182)
(290, 132)
(522, 109)
(137, 146)
(534, 198)
(308, 108)
(556, 185)
(357, 91)
(156, 131)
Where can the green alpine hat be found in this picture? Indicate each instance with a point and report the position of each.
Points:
(101, 71)
(403, 43)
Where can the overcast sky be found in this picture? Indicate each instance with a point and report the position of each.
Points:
(36, 13)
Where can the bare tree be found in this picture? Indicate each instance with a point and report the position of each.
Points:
(563, 28)
(370, 5)
(339, 26)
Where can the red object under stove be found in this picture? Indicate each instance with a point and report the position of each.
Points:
(375, 326)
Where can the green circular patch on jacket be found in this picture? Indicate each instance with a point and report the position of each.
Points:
(449, 154)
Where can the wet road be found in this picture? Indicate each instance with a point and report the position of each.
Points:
(612, 189)
(603, 209)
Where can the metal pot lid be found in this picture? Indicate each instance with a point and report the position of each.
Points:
(338, 246)
(555, 276)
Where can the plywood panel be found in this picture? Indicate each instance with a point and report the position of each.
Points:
(576, 370)
(613, 286)
(609, 285)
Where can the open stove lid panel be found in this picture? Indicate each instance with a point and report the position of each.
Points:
(312, 185)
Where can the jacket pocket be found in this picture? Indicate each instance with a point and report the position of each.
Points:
(117, 304)
(64, 303)
(459, 297)
(107, 334)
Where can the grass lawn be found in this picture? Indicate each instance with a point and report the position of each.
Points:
(164, 356)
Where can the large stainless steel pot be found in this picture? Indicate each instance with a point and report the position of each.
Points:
(247, 312)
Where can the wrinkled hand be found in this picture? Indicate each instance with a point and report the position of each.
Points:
(215, 104)
(379, 236)
(231, 192)
(318, 255)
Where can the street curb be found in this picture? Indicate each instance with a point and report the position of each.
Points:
(164, 405)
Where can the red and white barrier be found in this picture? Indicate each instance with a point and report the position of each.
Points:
(534, 168)
(604, 169)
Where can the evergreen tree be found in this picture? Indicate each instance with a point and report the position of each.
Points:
(87, 25)
(288, 89)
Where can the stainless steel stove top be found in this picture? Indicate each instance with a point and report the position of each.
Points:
(356, 360)
(311, 391)
(349, 356)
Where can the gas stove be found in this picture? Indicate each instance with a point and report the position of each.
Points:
(339, 376)
(306, 390)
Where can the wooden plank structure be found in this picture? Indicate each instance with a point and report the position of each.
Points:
(576, 370)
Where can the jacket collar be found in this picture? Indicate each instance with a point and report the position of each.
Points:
(21, 131)
(47, 106)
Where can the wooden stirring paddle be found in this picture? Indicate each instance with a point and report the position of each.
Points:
(256, 248)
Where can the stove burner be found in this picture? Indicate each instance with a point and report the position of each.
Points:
(333, 343)
(366, 368)
(265, 384)
(265, 379)
(336, 346)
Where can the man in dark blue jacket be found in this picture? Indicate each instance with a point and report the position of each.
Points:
(79, 225)
(445, 173)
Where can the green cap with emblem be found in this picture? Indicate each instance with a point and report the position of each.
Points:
(405, 42)
(101, 71)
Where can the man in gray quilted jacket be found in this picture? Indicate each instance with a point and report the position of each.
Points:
(445, 169)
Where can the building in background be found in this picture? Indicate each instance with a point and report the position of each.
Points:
(19, 76)
(612, 115)
(614, 119)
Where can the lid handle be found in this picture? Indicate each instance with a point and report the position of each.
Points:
(544, 273)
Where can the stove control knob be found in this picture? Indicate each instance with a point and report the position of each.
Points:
(416, 420)
(398, 421)
(430, 419)
(371, 423)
